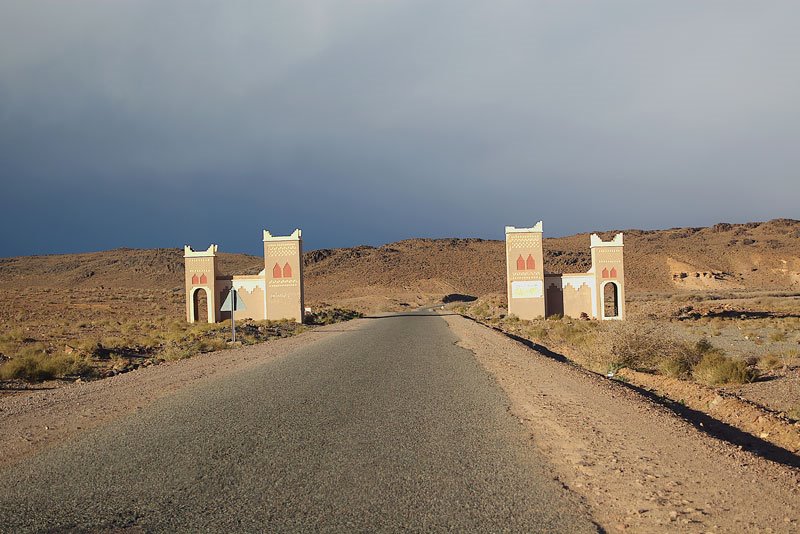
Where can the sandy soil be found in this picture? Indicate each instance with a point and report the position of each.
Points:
(640, 467)
(32, 420)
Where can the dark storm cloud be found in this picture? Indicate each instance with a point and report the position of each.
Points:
(122, 123)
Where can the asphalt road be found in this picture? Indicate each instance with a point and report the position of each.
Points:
(388, 427)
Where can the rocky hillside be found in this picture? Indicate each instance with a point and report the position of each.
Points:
(722, 257)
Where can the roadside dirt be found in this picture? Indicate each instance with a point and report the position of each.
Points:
(639, 466)
(32, 420)
(736, 412)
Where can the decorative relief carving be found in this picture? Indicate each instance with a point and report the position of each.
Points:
(524, 242)
(284, 282)
(526, 275)
(285, 249)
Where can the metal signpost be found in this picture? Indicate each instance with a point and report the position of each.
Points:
(233, 304)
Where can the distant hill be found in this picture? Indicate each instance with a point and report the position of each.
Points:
(722, 257)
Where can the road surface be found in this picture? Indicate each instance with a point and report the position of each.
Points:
(387, 427)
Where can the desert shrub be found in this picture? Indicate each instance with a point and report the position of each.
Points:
(38, 367)
(679, 360)
(537, 332)
(212, 344)
(176, 352)
(13, 335)
(777, 336)
(770, 361)
(33, 350)
(675, 366)
(28, 368)
(69, 365)
(89, 347)
(703, 346)
(716, 369)
(638, 346)
(574, 333)
(481, 310)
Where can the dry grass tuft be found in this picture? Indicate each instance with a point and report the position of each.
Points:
(42, 366)
(716, 369)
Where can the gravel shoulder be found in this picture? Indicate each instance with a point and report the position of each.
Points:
(640, 467)
(34, 420)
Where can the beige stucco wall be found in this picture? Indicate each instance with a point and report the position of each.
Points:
(577, 300)
(252, 292)
(569, 295)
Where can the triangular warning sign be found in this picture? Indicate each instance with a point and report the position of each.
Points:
(233, 302)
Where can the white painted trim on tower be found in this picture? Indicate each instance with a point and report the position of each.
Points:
(535, 228)
(618, 291)
(189, 252)
(211, 310)
(595, 241)
(294, 236)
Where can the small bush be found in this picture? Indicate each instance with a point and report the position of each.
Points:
(212, 344)
(15, 335)
(639, 348)
(37, 367)
(716, 369)
(538, 333)
(28, 368)
(777, 336)
(175, 352)
(62, 365)
(675, 367)
(770, 361)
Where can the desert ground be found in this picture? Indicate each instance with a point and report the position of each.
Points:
(712, 339)
(736, 286)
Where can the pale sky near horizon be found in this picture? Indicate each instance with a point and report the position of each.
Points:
(152, 123)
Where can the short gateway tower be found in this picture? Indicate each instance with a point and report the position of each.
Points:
(596, 294)
(275, 293)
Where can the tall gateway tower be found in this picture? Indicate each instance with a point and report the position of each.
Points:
(525, 271)
(283, 269)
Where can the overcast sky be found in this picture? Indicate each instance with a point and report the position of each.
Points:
(154, 123)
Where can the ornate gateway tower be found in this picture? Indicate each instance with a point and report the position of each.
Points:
(283, 264)
(525, 271)
(275, 293)
(596, 294)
